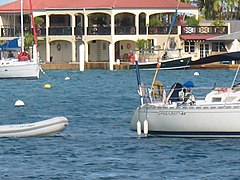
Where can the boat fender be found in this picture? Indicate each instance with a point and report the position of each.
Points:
(145, 127)
(139, 131)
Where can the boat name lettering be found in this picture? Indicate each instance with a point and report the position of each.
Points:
(26, 125)
(172, 113)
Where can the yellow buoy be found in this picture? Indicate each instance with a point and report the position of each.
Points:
(47, 86)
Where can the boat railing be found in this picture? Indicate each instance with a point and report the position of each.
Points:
(166, 95)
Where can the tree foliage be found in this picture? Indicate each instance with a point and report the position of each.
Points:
(192, 21)
(143, 44)
(28, 41)
(218, 9)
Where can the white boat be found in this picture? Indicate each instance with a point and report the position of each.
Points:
(13, 68)
(175, 115)
(22, 66)
(47, 127)
(166, 64)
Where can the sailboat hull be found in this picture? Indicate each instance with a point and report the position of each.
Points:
(189, 121)
(19, 69)
(167, 64)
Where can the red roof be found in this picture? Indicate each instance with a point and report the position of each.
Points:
(197, 36)
(88, 4)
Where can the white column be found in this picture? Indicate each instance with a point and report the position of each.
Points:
(73, 24)
(111, 56)
(137, 23)
(86, 52)
(73, 39)
(81, 57)
(147, 22)
(111, 48)
(86, 23)
(47, 40)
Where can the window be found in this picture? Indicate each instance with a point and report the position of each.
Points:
(218, 47)
(216, 99)
(189, 46)
(151, 44)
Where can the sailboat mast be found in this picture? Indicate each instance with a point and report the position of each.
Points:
(33, 24)
(165, 46)
(22, 32)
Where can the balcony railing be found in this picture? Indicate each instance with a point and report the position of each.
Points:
(79, 31)
(99, 30)
(125, 30)
(204, 30)
(162, 30)
(60, 30)
(10, 31)
(14, 31)
(142, 30)
(41, 31)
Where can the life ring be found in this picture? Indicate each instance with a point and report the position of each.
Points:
(59, 47)
(128, 46)
(132, 59)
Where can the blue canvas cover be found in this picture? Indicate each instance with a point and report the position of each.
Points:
(12, 45)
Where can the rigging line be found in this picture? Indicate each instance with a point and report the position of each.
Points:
(43, 72)
(171, 25)
(235, 77)
(160, 61)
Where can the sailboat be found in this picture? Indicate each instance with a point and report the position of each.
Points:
(179, 113)
(169, 62)
(232, 54)
(170, 59)
(22, 66)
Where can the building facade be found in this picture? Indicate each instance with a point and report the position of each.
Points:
(106, 31)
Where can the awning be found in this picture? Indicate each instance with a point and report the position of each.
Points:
(198, 37)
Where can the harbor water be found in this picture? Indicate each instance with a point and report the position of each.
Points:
(98, 143)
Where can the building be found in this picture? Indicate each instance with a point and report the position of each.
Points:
(104, 31)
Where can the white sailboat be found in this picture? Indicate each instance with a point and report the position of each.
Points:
(170, 59)
(23, 66)
(179, 114)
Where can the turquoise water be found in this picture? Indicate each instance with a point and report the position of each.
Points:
(98, 143)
